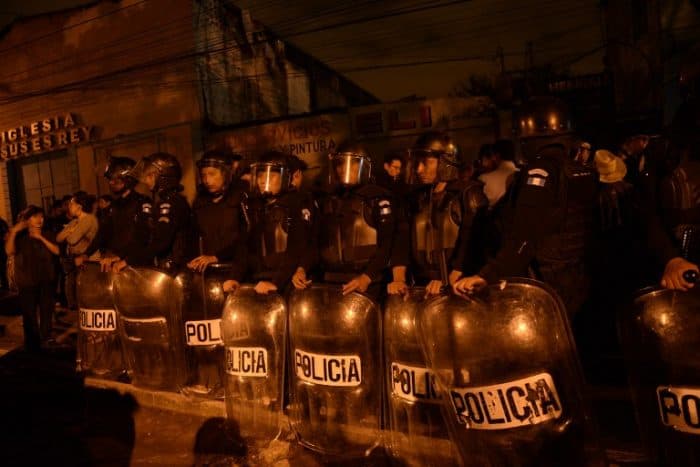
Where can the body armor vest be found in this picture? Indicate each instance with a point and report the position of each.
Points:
(348, 234)
(272, 239)
(575, 218)
(182, 246)
(435, 229)
(680, 203)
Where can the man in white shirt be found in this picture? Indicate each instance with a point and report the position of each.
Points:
(498, 173)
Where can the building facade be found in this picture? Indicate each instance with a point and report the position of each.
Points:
(130, 78)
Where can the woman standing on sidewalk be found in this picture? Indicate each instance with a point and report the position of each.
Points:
(33, 250)
(78, 235)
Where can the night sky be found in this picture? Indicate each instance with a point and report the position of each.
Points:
(380, 45)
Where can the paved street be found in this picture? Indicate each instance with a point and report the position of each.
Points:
(52, 417)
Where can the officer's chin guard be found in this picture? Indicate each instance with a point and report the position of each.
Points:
(417, 432)
(335, 371)
(204, 350)
(254, 330)
(660, 337)
(99, 351)
(506, 366)
(149, 303)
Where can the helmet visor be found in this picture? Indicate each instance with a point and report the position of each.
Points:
(349, 169)
(268, 179)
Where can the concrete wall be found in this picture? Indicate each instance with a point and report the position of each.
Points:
(124, 68)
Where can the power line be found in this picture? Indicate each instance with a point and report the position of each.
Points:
(66, 28)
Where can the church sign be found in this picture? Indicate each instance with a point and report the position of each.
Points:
(43, 135)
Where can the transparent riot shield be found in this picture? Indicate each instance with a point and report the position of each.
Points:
(660, 337)
(506, 364)
(417, 434)
(149, 303)
(99, 351)
(204, 346)
(335, 371)
(254, 332)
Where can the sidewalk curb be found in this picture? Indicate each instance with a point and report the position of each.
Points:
(162, 400)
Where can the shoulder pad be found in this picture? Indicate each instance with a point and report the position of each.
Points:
(474, 197)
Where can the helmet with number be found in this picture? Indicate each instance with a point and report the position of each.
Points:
(439, 147)
(222, 159)
(121, 167)
(271, 174)
(168, 171)
(542, 121)
(350, 165)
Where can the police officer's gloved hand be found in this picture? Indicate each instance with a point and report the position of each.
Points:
(359, 284)
(200, 263)
(231, 285)
(119, 265)
(398, 284)
(264, 287)
(468, 285)
(673, 274)
(433, 287)
(299, 279)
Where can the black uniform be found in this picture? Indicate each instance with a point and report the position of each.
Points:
(119, 227)
(221, 229)
(446, 231)
(551, 232)
(309, 260)
(165, 231)
(356, 234)
(278, 238)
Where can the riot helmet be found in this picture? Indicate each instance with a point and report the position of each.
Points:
(434, 158)
(215, 182)
(119, 174)
(350, 165)
(160, 171)
(542, 121)
(297, 167)
(271, 174)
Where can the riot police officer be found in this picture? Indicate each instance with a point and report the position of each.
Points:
(551, 231)
(356, 234)
(309, 211)
(118, 227)
(278, 224)
(218, 215)
(679, 201)
(550, 227)
(165, 227)
(446, 218)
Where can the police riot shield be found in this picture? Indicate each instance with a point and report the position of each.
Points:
(506, 364)
(149, 304)
(254, 333)
(204, 347)
(99, 351)
(660, 337)
(417, 434)
(335, 371)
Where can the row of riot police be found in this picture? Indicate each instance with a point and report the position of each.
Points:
(489, 371)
